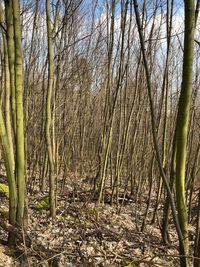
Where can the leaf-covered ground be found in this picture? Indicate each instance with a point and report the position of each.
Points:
(76, 238)
(5, 257)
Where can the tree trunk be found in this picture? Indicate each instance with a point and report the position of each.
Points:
(20, 174)
(48, 114)
(182, 122)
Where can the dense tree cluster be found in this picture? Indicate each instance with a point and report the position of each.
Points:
(105, 92)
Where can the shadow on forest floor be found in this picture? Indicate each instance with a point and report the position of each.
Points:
(75, 238)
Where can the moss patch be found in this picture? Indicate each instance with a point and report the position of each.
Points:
(4, 190)
(92, 211)
(130, 264)
(4, 212)
(43, 204)
(75, 221)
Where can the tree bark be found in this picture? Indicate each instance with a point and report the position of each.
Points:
(182, 122)
(48, 114)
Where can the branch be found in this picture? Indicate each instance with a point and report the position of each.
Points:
(3, 28)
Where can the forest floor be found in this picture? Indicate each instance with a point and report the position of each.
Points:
(76, 238)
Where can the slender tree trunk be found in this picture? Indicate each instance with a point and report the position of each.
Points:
(11, 55)
(49, 115)
(20, 162)
(7, 145)
(182, 121)
(10, 175)
(165, 181)
(8, 124)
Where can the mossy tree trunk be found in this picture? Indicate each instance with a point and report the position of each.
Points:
(10, 173)
(6, 138)
(183, 249)
(11, 55)
(20, 162)
(182, 121)
(7, 88)
(49, 115)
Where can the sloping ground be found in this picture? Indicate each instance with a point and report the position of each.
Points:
(76, 239)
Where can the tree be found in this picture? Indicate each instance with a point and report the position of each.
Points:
(11, 55)
(182, 122)
(48, 114)
(6, 141)
(14, 88)
(182, 244)
(20, 162)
